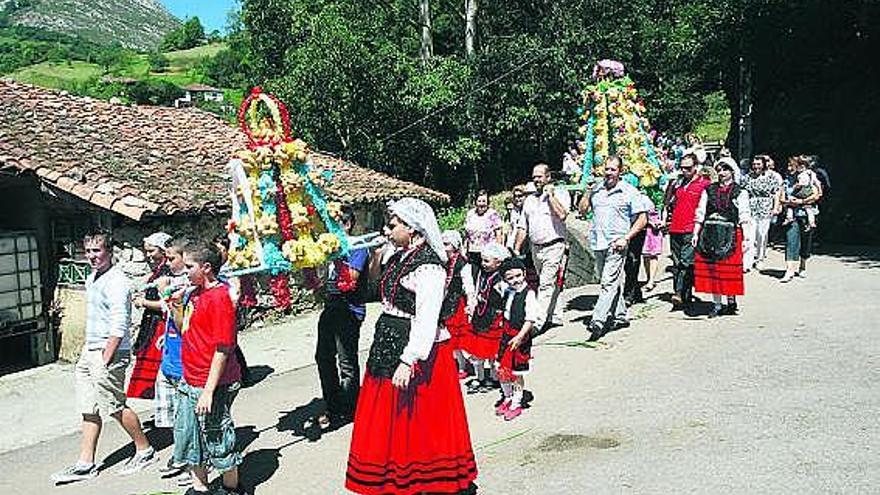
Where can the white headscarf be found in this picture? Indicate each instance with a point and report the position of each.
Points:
(495, 251)
(419, 216)
(734, 168)
(158, 239)
(453, 238)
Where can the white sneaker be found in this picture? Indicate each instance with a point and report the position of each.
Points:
(138, 462)
(76, 472)
(786, 278)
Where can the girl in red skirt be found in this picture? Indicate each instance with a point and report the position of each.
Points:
(410, 429)
(148, 355)
(521, 310)
(718, 236)
(460, 289)
(480, 340)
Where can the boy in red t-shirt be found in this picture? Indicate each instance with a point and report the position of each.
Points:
(203, 428)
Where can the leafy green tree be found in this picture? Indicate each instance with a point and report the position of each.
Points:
(112, 56)
(158, 61)
(189, 35)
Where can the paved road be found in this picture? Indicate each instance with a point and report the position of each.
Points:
(782, 399)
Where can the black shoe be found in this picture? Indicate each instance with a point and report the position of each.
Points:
(618, 324)
(193, 491)
(546, 327)
(596, 331)
(729, 310)
(715, 312)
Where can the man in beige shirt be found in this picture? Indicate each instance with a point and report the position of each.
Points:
(543, 221)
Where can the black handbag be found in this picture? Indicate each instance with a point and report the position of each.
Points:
(717, 239)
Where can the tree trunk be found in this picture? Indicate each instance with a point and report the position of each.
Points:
(427, 49)
(470, 30)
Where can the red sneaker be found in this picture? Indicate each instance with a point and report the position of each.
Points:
(512, 413)
(502, 408)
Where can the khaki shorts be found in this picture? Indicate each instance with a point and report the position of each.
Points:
(100, 389)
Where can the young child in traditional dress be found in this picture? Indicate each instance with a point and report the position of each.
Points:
(521, 311)
(480, 341)
(459, 289)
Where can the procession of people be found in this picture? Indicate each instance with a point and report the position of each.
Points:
(455, 317)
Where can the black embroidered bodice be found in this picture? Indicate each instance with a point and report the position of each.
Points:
(518, 309)
(454, 286)
(722, 203)
(392, 333)
(399, 266)
(489, 301)
(151, 317)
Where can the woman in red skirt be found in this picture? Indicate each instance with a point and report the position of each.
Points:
(459, 289)
(410, 429)
(148, 356)
(718, 239)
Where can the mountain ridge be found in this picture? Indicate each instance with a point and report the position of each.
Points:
(137, 24)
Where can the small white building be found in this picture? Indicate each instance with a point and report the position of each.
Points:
(195, 92)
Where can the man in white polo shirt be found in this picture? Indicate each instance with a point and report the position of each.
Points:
(543, 221)
(100, 370)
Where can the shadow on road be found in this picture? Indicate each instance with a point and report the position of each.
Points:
(258, 373)
(859, 256)
(582, 303)
(772, 272)
(301, 422)
(258, 467)
(159, 438)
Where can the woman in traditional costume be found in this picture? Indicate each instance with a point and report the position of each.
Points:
(410, 428)
(148, 356)
(718, 239)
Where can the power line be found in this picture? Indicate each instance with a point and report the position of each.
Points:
(542, 54)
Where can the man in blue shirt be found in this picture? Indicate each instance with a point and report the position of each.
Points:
(339, 329)
(618, 215)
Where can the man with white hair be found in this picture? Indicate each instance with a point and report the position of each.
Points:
(543, 221)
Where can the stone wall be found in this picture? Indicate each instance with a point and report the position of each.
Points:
(580, 262)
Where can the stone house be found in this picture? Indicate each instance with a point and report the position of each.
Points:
(69, 164)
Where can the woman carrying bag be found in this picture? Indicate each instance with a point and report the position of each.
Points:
(718, 239)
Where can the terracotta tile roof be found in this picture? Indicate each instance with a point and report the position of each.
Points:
(140, 160)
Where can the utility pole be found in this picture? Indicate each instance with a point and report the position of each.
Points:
(427, 48)
(470, 29)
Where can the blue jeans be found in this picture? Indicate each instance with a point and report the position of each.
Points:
(610, 305)
(798, 240)
(200, 440)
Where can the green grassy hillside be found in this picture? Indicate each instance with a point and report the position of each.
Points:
(183, 68)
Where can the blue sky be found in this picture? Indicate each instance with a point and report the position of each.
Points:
(212, 13)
